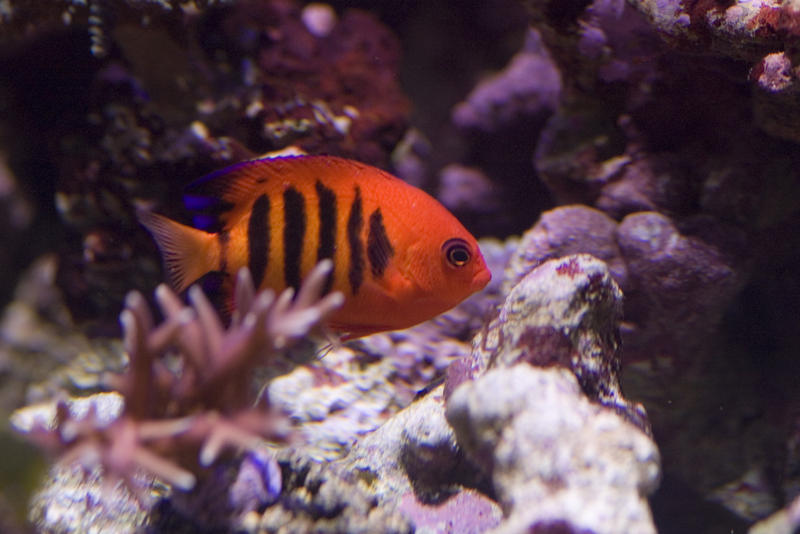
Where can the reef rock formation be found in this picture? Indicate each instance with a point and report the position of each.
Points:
(422, 473)
(677, 285)
(565, 312)
(557, 461)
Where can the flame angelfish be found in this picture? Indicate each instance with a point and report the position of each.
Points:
(399, 256)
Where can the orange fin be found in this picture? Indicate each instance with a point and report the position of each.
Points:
(188, 253)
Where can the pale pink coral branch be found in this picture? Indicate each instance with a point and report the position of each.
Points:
(187, 389)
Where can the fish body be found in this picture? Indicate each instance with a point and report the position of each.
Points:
(399, 256)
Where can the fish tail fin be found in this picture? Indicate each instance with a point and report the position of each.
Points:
(188, 253)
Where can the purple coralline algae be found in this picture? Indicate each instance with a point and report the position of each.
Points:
(464, 188)
(564, 231)
(677, 286)
(468, 511)
(528, 86)
(680, 285)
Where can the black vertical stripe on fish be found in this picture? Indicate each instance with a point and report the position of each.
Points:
(354, 223)
(258, 239)
(294, 234)
(223, 237)
(379, 249)
(327, 228)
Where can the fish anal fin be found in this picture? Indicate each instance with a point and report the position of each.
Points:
(218, 288)
(188, 253)
(348, 332)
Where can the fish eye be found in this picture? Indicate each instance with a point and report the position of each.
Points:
(457, 252)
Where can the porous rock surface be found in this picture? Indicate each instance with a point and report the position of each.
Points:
(553, 452)
(678, 280)
(565, 312)
(555, 457)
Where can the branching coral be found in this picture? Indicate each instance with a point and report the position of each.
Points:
(187, 389)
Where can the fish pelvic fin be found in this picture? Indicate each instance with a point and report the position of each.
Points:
(188, 253)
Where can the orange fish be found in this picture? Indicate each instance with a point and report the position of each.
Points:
(399, 256)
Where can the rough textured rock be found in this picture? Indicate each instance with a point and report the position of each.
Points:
(563, 313)
(411, 472)
(777, 95)
(739, 29)
(744, 31)
(678, 282)
(317, 498)
(464, 188)
(404, 472)
(415, 459)
(563, 231)
(524, 425)
(554, 456)
(681, 284)
(529, 85)
(415, 447)
(80, 502)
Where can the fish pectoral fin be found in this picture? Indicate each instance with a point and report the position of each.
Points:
(385, 296)
(395, 284)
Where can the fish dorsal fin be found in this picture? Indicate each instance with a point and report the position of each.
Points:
(224, 194)
(215, 197)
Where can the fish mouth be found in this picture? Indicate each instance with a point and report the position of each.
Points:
(481, 278)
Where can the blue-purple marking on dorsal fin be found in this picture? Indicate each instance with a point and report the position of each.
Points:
(215, 195)
(204, 196)
(207, 212)
(215, 183)
(209, 223)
